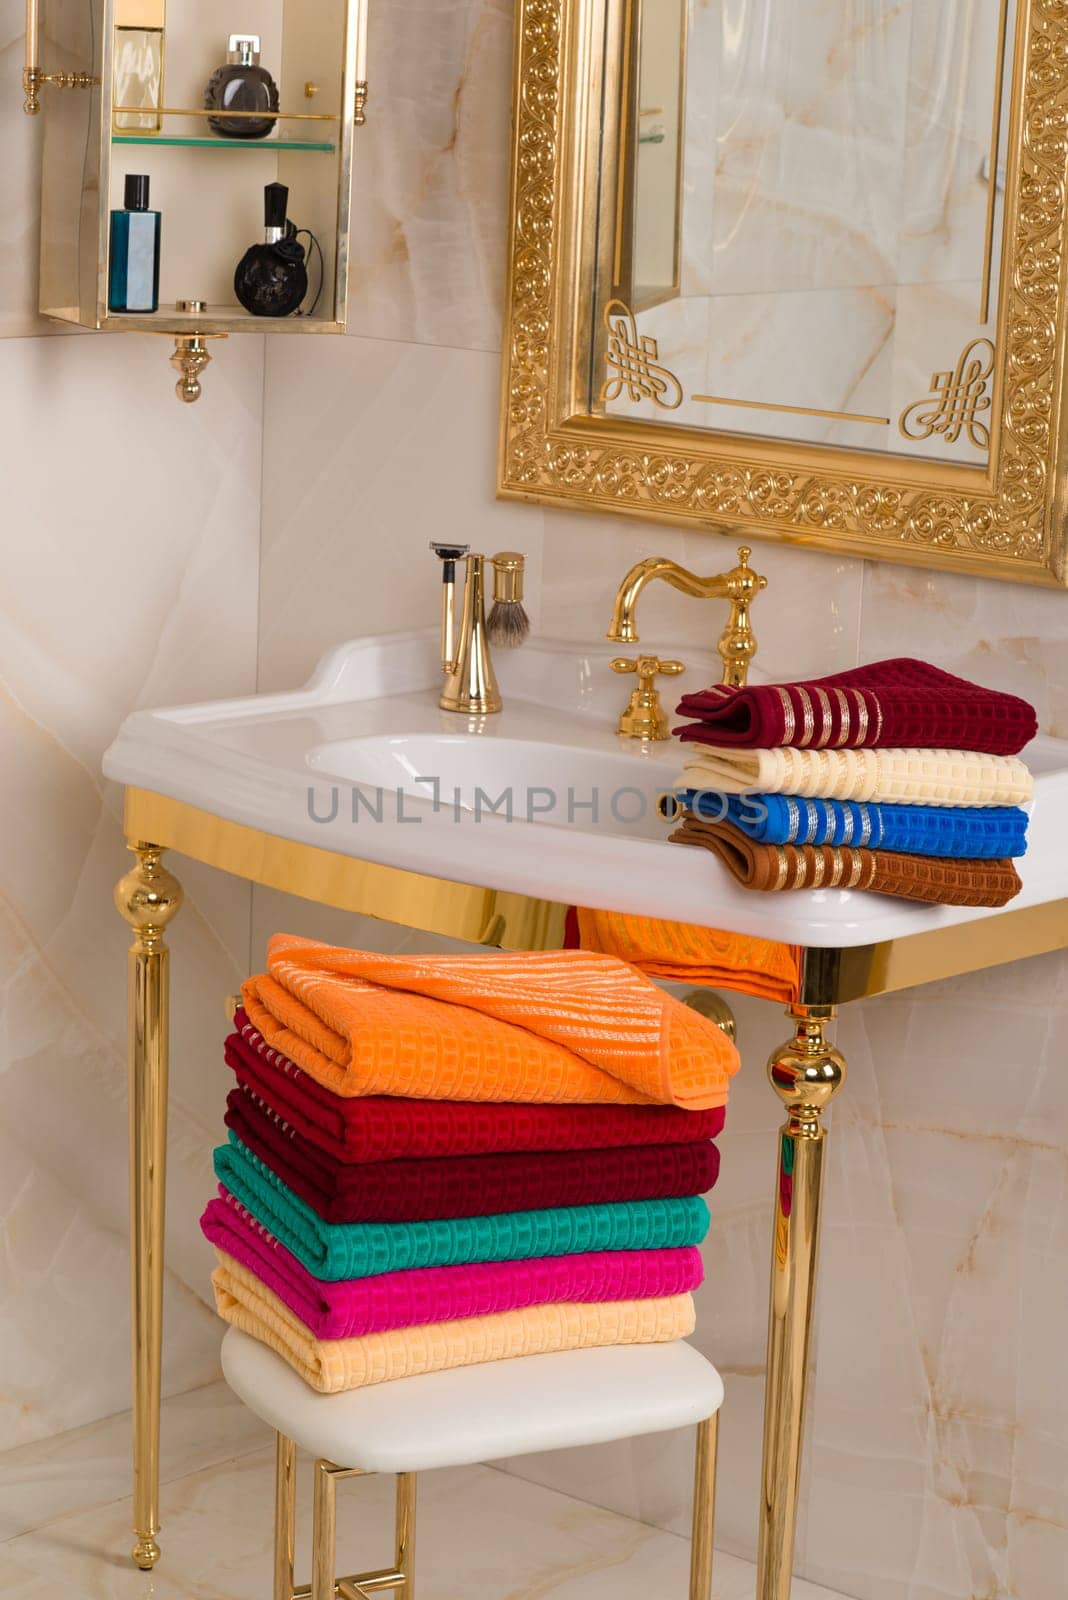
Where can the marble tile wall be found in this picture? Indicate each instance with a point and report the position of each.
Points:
(130, 554)
(939, 1436)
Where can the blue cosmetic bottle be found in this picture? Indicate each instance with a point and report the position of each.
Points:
(133, 276)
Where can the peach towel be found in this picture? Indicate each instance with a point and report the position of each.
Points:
(563, 1027)
(898, 777)
(680, 952)
(332, 1365)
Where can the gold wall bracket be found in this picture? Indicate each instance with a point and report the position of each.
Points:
(190, 359)
(644, 717)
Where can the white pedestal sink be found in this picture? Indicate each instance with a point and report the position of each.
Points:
(542, 799)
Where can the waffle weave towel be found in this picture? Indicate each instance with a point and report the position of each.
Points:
(909, 777)
(681, 953)
(978, 832)
(358, 1306)
(467, 1186)
(901, 702)
(559, 1026)
(360, 1249)
(932, 879)
(374, 1128)
(332, 1366)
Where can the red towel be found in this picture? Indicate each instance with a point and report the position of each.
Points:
(379, 1128)
(467, 1186)
(890, 703)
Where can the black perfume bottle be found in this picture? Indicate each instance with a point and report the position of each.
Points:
(242, 85)
(271, 279)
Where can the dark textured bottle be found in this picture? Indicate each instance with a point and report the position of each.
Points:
(242, 85)
(271, 279)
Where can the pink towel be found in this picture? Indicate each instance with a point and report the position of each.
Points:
(353, 1307)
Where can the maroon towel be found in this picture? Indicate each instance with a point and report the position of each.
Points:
(890, 703)
(379, 1128)
(467, 1186)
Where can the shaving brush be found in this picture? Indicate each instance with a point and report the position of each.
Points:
(507, 624)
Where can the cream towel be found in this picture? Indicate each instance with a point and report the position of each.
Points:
(904, 777)
(331, 1365)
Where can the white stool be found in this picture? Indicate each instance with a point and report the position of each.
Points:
(472, 1414)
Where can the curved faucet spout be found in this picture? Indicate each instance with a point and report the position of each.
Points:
(624, 625)
(737, 644)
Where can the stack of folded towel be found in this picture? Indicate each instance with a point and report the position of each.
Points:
(435, 1161)
(897, 778)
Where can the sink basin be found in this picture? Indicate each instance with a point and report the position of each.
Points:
(521, 780)
(542, 799)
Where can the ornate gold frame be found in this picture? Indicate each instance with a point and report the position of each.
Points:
(1007, 521)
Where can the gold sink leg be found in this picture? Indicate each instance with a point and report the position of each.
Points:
(148, 897)
(806, 1074)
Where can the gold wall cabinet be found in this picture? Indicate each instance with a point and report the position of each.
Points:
(208, 188)
(861, 343)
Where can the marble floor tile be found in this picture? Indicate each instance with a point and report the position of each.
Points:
(481, 1532)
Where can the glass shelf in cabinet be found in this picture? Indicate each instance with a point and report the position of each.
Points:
(211, 142)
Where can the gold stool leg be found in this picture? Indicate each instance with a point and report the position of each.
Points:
(704, 1509)
(806, 1074)
(405, 1559)
(147, 897)
(324, 1531)
(285, 1505)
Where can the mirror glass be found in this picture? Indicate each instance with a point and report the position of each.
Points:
(801, 209)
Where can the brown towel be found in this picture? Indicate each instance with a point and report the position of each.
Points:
(934, 879)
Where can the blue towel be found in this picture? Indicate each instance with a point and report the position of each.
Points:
(973, 833)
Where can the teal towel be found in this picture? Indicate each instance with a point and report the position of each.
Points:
(336, 1250)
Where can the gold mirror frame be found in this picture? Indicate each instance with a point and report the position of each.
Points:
(1005, 522)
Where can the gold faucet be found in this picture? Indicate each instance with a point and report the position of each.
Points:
(470, 682)
(644, 717)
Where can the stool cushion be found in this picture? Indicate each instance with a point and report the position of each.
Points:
(504, 1408)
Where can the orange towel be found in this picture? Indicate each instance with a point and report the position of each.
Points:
(679, 952)
(561, 1027)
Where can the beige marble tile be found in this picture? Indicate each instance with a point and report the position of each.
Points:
(1001, 634)
(429, 206)
(374, 449)
(130, 561)
(81, 1468)
(803, 170)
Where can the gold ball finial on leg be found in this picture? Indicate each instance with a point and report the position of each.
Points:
(807, 1072)
(149, 896)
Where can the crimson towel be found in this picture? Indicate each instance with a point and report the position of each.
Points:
(381, 1128)
(467, 1186)
(889, 703)
(352, 1307)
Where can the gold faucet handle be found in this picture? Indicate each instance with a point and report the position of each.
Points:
(644, 716)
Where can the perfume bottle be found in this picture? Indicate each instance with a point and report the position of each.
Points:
(271, 279)
(133, 270)
(138, 79)
(242, 85)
